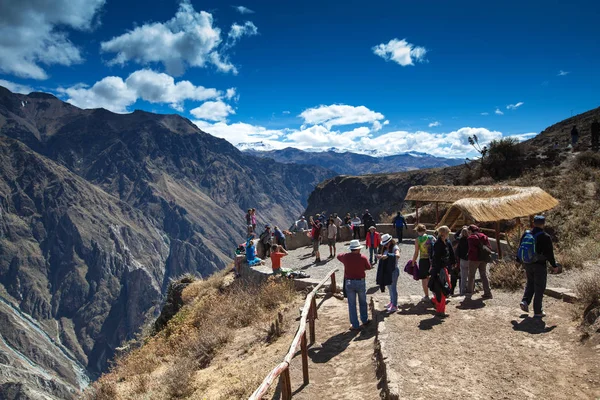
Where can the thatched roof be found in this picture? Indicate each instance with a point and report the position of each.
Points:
(484, 203)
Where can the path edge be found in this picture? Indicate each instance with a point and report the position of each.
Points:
(386, 376)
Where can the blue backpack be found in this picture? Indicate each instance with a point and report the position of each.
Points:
(526, 252)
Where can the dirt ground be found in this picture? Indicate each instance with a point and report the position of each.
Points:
(490, 350)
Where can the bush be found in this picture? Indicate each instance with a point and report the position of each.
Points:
(507, 275)
(588, 159)
(570, 259)
(504, 158)
(588, 288)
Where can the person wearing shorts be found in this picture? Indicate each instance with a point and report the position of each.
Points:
(422, 245)
(332, 230)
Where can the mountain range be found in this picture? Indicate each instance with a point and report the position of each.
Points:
(98, 212)
(348, 163)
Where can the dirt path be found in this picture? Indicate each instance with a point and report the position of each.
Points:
(489, 350)
(341, 364)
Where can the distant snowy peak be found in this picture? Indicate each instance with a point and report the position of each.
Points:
(256, 146)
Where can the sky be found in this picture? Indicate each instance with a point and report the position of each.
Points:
(381, 77)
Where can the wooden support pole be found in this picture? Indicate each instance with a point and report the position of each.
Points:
(311, 324)
(314, 307)
(498, 244)
(437, 213)
(333, 284)
(417, 212)
(531, 222)
(286, 385)
(304, 348)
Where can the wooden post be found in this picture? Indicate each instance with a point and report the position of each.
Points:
(417, 212)
(437, 213)
(304, 348)
(498, 245)
(314, 307)
(286, 385)
(531, 222)
(333, 284)
(311, 324)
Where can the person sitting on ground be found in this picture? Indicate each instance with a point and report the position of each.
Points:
(423, 245)
(443, 256)
(356, 227)
(277, 253)
(536, 269)
(332, 230)
(391, 250)
(595, 130)
(478, 243)
(251, 258)
(373, 242)
(400, 223)
(462, 255)
(301, 224)
(279, 237)
(316, 237)
(265, 240)
(355, 265)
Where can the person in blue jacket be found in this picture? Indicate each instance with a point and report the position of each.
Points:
(400, 223)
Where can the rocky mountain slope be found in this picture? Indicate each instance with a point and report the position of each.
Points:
(98, 211)
(347, 163)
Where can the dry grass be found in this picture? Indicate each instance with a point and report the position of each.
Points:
(588, 159)
(588, 288)
(166, 366)
(507, 275)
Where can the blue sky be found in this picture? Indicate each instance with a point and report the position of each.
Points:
(376, 76)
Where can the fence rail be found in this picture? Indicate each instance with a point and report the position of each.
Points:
(282, 370)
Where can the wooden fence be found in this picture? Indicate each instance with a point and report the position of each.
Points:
(309, 312)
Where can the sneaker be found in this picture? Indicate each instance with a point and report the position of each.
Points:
(388, 305)
(524, 306)
(425, 298)
(318, 260)
(487, 297)
(367, 322)
(392, 309)
(353, 329)
(540, 315)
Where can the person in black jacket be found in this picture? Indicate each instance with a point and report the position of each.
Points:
(388, 265)
(537, 273)
(368, 221)
(443, 256)
(462, 258)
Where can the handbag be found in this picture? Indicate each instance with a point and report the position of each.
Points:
(409, 268)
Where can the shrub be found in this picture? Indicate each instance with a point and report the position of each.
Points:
(570, 259)
(503, 158)
(507, 275)
(588, 288)
(588, 159)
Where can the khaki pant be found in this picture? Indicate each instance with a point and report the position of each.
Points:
(480, 266)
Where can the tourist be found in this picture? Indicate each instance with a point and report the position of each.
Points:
(478, 254)
(322, 218)
(391, 253)
(277, 253)
(595, 129)
(265, 240)
(368, 221)
(348, 220)
(249, 221)
(574, 136)
(251, 258)
(332, 231)
(279, 237)
(316, 237)
(355, 265)
(356, 227)
(338, 223)
(443, 256)
(536, 270)
(301, 224)
(400, 223)
(462, 254)
(423, 245)
(373, 242)
(253, 220)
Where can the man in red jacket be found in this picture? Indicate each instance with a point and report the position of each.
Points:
(373, 242)
(477, 262)
(355, 265)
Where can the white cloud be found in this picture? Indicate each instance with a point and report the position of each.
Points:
(514, 106)
(244, 10)
(401, 52)
(339, 114)
(32, 32)
(187, 39)
(285, 112)
(485, 113)
(116, 94)
(523, 136)
(237, 31)
(213, 111)
(563, 73)
(230, 93)
(498, 112)
(16, 87)
(434, 124)
(241, 132)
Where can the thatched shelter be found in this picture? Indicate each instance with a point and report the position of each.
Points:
(472, 204)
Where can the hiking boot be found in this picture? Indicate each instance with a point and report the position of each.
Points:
(487, 296)
(524, 306)
(540, 315)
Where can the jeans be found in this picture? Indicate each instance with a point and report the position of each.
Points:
(356, 232)
(281, 242)
(480, 266)
(464, 276)
(372, 252)
(536, 285)
(399, 234)
(354, 288)
(393, 288)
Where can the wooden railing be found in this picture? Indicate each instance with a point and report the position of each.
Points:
(309, 312)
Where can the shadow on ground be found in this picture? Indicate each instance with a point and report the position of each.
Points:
(534, 326)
